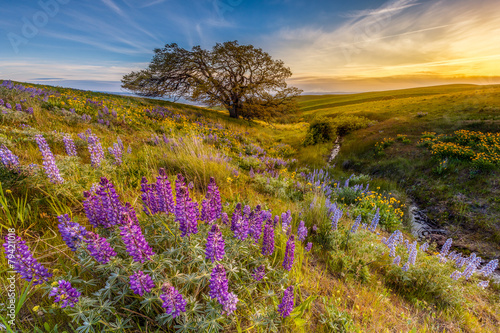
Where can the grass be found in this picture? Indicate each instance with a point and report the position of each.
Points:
(346, 284)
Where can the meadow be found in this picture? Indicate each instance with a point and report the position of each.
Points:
(126, 214)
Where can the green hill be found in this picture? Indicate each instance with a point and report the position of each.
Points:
(133, 213)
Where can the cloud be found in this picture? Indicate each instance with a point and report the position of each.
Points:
(452, 38)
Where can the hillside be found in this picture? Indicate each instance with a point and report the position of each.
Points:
(181, 219)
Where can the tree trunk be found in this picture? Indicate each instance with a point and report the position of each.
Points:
(233, 111)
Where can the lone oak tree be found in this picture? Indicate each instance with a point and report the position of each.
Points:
(241, 78)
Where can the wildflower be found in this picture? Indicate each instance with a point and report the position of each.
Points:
(225, 218)
(259, 272)
(286, 219)
(302, 231)
(489, 268)
(69, 145)
(309, 247)
(23, 261)
(186, 213)
(374, 223)
(103, 208)
(141, 283)
(268, 239)
(117, 152)
(71, 232)
(289, 253)
(256, 219)
(456, 275)
(99, 248)
(215, 244)
(66, 293)
(218, 283)
(396, 261)
(315, 228)
(212, 203)
(424, 247)
(49, 162)
(287, 303)
(472, 264)
(173, 302)
(137, 246)
(95, 150)
(483, 284)
(356, 224)
(9, 160)
(445, 249)
(336, 216)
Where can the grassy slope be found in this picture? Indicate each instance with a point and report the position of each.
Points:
(377, 300)
(460, 195)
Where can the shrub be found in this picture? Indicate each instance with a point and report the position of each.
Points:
(320, 130)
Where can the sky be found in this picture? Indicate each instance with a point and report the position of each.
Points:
(330, 46)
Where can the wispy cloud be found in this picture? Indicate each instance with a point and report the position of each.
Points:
(449, 38)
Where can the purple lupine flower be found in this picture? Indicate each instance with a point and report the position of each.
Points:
(315, 228)
(173, 302)
(456, 275)
(69, 145)
(8, 106)
(235, 219)
(212, 203)
(242, 224)
(9, 160)
(424, 247)
(445, 249)
(186, 213)
(302, 231)
(489, 268)
(309, 247)
(356, 224)
(164, 193)
(141, 283)
(225, 218)
(229, 303)
(286, 219)
(376, 219)
(251, 173)
(65, 294)
(256, 218)
(19, 107)
(95, 150)
(137, 246)
(180, 182)
(148, 196)
(483, 284)
(276, 220)
(268, 239)
(215, 244)
(396, 261)
(23, 262)
(218, 283)
(287, 303)
(103, 208)
(2, 103)
(99, 248)
(259, 272)
(289, 253)
(117, 153)
(473, 262)
(72, 233)
(412, 257)
(49, 162)
(336, 216)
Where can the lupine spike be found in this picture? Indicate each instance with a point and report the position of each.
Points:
(137, 246)
(173, 302)
(215, 244)
(302, 231)
(287, 303)
(186, 213)
(141, 283)
(23, 261)
(72, 233)
(268, 241)
(69, 145)
(49, 162)
(356, 224)
(99, 248)
(289, 253)
(65, 293)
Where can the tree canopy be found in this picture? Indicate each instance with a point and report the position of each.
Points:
(243, 79)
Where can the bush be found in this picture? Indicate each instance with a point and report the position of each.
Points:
(345, 124)
(320, 130)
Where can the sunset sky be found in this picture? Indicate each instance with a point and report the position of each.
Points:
(331, 46)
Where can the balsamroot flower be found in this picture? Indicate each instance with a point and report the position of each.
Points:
(69, 145)
(287, 303)
(64, 293)
(9, 160)
(141, 283)
(137, 246)
(289, 253)
(215, 244)
(186, 213)
(72, 233)
(302, 231)
(99, 248)
(259, 272)
(20, 257)
(173, 302)
(268, 241)
(49, 162)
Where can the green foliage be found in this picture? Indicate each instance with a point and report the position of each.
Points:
(336, 320)
(345, 124)
(319, 131)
